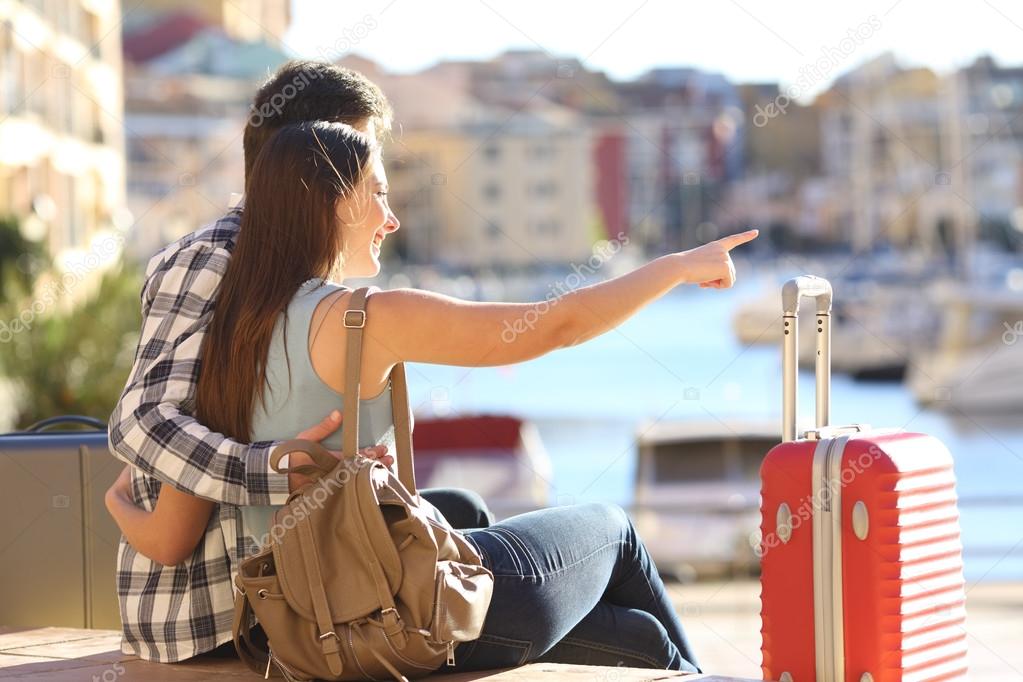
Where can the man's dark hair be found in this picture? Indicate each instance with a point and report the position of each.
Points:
(303, 90)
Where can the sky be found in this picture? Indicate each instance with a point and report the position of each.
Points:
(747, 40)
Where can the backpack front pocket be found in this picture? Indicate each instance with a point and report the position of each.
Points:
(461, 600)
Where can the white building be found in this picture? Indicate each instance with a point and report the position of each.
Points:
(61, 119)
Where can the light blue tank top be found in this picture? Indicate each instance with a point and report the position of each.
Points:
(293, 408)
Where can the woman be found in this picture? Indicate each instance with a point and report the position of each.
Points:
(572, 584)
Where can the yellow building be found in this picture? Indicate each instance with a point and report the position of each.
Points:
(495, 197)
(61, 121)
(479, 185)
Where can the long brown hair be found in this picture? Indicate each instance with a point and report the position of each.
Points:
(289, 234)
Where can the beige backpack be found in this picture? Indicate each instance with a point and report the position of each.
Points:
(359, 581)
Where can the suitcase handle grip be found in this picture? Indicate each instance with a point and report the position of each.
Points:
(793, 292)
(806, 286)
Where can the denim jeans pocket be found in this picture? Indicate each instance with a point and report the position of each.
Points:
(492, 651)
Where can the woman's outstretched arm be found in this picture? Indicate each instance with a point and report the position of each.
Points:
(420, 326)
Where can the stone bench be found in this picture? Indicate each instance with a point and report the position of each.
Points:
(65, 654)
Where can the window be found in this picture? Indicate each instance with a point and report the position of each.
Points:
(547, 227)
(541, 151)
(544, 188)
(38, 84)
(12, 82)
(69, 207)
(64, 103)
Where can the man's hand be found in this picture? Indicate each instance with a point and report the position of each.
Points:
(317, 433)
(121, 487)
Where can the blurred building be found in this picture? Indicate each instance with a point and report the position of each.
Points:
(779, 190)
(886, 143)
(498, 193)
(188, 89)
(244, 20)
(493, 183)
(685, 145)
(987, 101)
(528, 158)
(62, 169)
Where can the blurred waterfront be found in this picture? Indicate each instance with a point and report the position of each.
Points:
(590, 401)
(899, 178)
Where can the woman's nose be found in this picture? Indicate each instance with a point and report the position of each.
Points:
(392, 223)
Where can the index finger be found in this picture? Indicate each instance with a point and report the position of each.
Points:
(733, 240)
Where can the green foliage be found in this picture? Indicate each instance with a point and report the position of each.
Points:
(19, 260)
(71, 361)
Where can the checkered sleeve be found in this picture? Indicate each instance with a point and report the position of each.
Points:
(152, 426)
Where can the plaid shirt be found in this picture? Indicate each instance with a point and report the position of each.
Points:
(171, 613)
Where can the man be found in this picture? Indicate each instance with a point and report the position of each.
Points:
(171, 613)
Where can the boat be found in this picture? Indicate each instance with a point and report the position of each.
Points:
(874, 332)
(501, 457)
(697, 494)
(977, 364)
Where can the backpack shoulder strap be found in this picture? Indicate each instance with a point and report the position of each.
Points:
(355, 321)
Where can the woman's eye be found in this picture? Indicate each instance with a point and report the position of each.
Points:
(381, 194)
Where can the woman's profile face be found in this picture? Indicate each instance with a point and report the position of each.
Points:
(365, 220)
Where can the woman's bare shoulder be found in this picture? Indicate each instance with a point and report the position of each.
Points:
(329, 336)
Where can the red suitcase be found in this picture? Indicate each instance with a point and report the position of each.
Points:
(860, 552)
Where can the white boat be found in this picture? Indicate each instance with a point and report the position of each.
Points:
(873, 332)
(977, 366)
(698, 494)
(500, 457)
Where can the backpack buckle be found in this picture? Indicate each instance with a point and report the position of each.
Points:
(393, 626)
(355, 325)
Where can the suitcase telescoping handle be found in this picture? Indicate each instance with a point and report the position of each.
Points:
(794, 290)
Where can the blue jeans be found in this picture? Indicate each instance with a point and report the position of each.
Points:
(573, 585)
(462, 508)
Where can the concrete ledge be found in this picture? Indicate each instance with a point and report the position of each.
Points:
(65, 654)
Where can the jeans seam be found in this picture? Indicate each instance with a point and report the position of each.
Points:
(598, 646)
(530, 559)
(525, 644)
(511, 551)
(582, 559)
(600, 549)
(482, 552)
(559, 570)
(661, 615)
